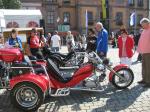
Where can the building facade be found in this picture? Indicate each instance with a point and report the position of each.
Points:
(63, 15)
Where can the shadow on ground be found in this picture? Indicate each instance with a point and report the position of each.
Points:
(116, 100)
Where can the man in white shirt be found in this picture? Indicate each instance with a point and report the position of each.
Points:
(55, 42)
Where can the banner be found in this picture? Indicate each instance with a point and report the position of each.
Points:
(104, 9)
(133, 19)
(86, 21)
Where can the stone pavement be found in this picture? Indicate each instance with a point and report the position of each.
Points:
(134, 99)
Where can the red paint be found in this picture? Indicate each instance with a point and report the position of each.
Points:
(81, 74)
(40, 80)
(11, 54)
(116, 68)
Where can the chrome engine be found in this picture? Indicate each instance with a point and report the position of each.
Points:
(91, 82)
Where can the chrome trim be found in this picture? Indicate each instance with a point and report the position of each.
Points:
(21, 67)
(61, 92)
(87, 89)
(66, 68)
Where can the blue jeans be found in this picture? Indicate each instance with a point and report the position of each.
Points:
(55, 49)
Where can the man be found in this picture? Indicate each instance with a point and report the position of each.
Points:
(102, 40)
(14, 40)
(55, 42)
(144, 49)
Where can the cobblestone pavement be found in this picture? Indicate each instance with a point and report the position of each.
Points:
(134, 99)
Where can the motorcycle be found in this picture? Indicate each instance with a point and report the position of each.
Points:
(73, 58)
(28, 87)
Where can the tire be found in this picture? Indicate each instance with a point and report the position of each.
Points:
(22, 94)
(129, 80)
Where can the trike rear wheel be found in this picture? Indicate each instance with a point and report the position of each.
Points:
(27, 96)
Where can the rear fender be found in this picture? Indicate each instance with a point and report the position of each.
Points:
(40, 80)
(116, 68)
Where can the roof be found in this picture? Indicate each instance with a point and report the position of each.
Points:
(21, 29)
(20, 12)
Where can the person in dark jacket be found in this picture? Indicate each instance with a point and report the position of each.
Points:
(91, 41)
(14, 40)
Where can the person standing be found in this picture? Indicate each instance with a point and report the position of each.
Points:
(55, 42)
(139, 58)
(125, 45)
(14, 40)
(102, 40)
(144, 49)
(91, 41)
(70, 41)
(1, 41)
(48, 39)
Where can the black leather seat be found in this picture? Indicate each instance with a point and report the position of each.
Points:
(65, 57)
(53, 69)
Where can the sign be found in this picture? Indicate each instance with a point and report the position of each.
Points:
(22, 37)
(63, 28)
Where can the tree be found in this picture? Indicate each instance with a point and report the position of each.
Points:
(1, 4)
(10, 4)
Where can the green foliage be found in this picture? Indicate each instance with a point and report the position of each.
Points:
(1, 4)
(10, 4)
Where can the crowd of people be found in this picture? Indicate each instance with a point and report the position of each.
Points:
(96, 40)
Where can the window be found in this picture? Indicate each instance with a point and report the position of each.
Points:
(119, 18)
(139, 17)
(140, 3)
(50, 17)
(131, 2)
(51, 0)
(66, 18)
(119, 1)
(66, 1)
(90, 18)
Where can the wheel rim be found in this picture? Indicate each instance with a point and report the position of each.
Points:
(128, 78)
(27, 97)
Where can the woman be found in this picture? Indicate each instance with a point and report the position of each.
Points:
(70, 41)
(125, 45)
(14, 40)
(91, 41)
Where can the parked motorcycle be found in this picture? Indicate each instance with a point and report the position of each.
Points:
(28, 87)
(73, 58)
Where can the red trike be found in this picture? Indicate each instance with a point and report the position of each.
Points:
(29, 83)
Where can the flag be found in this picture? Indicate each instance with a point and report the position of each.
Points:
(86, 19)
(65, 19)
(133, 19)
(104, 9)
(58, 19)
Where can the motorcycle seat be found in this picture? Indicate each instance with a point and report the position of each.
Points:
(53, 69)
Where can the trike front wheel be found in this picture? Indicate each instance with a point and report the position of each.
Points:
(125, 80)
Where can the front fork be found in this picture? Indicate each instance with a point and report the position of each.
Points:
(113, 72)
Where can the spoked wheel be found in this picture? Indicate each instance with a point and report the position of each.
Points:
(125, 80)
(27, 96)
